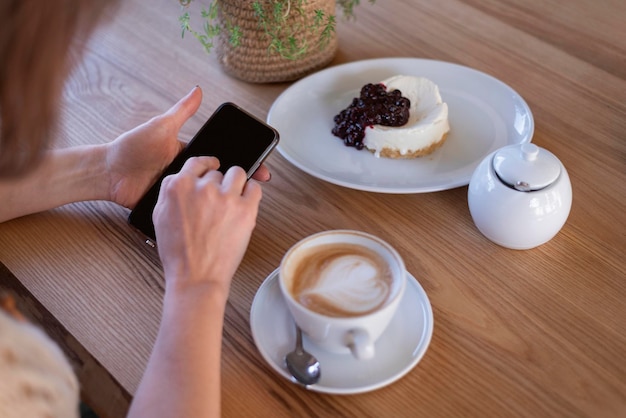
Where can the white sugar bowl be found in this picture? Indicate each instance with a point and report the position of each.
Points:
(520, 196)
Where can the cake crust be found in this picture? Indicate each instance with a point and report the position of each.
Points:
(395, 154)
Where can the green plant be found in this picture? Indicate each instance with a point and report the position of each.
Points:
(283, 34)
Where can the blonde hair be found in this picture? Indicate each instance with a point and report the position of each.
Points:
(35, 42)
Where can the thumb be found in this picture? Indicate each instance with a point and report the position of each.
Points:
(186, 107)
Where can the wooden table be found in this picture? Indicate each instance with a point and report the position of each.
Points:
(532, 333)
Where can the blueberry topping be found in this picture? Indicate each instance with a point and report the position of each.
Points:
(374, 106)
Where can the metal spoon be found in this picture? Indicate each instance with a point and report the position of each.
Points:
(303, 366)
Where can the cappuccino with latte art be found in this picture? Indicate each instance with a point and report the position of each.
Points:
(341, 280)
(342, 288)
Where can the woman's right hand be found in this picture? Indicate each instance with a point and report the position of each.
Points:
(203, 222)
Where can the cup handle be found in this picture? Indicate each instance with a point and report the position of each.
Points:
(360, 344)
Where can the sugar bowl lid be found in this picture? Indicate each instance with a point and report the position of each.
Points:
(527, 167)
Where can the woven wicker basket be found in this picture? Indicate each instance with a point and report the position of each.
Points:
(252, 61)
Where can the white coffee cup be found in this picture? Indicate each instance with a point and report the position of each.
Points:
(343, 288)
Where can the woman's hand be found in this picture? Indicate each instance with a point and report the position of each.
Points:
(136, 158)
(203, 222)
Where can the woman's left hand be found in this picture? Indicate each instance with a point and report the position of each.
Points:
(136, 158)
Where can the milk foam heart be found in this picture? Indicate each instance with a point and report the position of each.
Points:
(342, 280)
(351, 283)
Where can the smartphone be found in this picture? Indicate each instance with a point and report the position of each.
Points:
(231, 134)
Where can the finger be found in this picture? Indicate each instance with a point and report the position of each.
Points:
(181, 146)
(199, 166)
(213, 176)
(252, 191)
(186, 107)
(234, 180)
(263, 174)
(160, 199)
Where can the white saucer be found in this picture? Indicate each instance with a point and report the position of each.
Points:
(399, 349)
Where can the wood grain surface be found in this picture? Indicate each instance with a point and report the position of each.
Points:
(537, 333)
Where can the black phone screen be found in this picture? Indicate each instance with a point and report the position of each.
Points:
(232, 135)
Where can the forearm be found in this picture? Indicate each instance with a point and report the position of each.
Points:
(64, 176)
(183, 374)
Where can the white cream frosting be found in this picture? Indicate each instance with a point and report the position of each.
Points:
(428, 118)
(351, 283)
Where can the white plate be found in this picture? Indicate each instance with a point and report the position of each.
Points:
(484, 113)
(399, 349)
